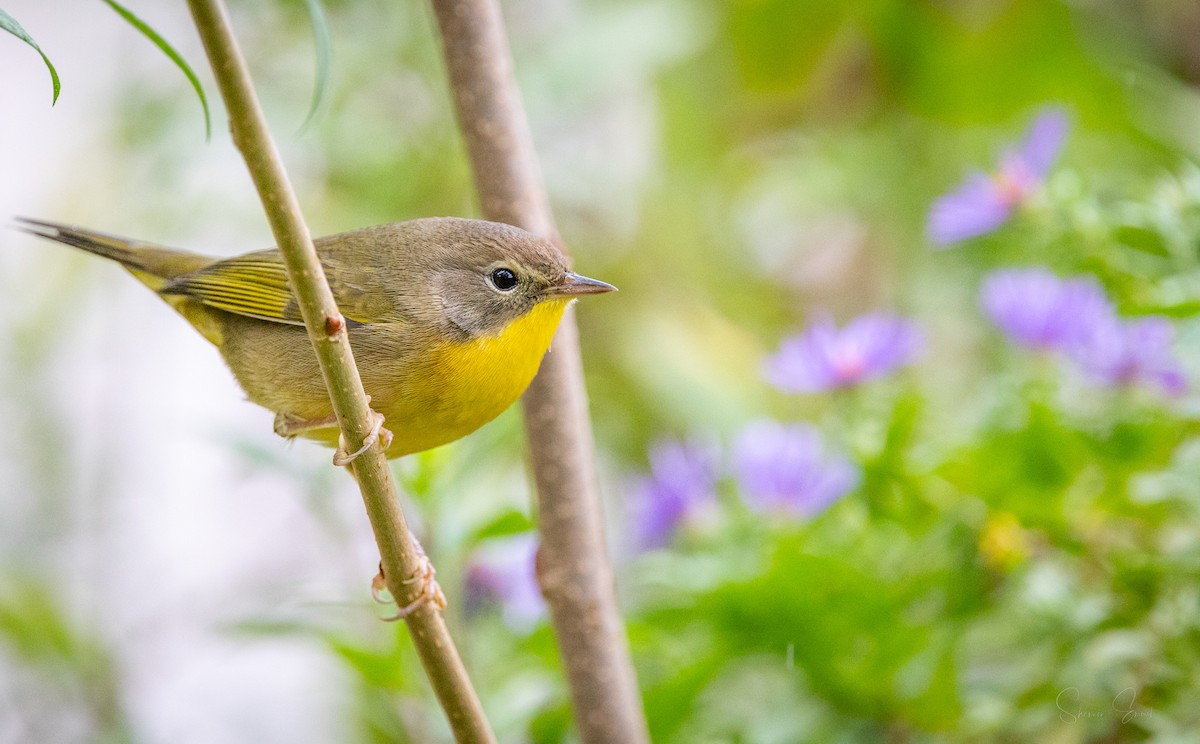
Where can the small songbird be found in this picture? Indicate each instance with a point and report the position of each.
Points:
(448, 319)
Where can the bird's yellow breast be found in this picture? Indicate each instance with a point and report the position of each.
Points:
(470, 383)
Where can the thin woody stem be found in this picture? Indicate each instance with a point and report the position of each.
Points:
(573, 567)
(400, 559)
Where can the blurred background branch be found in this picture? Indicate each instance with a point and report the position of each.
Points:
(572, 561)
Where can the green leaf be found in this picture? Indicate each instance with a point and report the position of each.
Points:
(509, 523)
(168, 50)
(9, 24)
(670, 701)
(1184, 309)
(323, 47)
(1141, 239)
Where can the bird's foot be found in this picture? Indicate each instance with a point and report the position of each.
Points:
(377, 434)
(290, 425)
(431, 591)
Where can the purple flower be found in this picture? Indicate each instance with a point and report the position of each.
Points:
(1125, 354)
(681, 481)
(1040, 310)
(985, 202)
(504, 572)
(786, 468)
(824, 358)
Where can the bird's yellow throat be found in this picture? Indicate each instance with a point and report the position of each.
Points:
(476, 380)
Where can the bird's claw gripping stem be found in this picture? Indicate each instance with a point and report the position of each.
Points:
(377, 434)
(431, 591)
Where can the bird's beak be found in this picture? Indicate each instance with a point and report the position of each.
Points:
(574, 285)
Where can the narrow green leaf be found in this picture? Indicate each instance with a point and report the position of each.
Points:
(509, 523)
(9, 24)
(1142, 239)
(1182, 309)
(323, 46)
(168, 50)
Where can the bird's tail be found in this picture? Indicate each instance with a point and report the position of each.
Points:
(150, 263)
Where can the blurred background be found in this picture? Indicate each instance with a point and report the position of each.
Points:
(988, 532)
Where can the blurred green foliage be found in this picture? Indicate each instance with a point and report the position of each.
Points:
(1019, 562)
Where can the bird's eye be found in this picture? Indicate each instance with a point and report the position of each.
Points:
(504, 279)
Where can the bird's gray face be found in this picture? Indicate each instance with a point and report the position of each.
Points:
(483, 300)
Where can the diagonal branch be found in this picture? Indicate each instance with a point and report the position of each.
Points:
(399, 555)
(573, 567)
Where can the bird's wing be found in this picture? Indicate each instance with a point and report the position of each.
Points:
(256, 285)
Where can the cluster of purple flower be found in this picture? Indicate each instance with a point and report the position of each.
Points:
(1041, 311)
(786, 468)
(1036, 308)
(781, 469)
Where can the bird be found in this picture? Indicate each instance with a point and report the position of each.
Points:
(448, 319)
